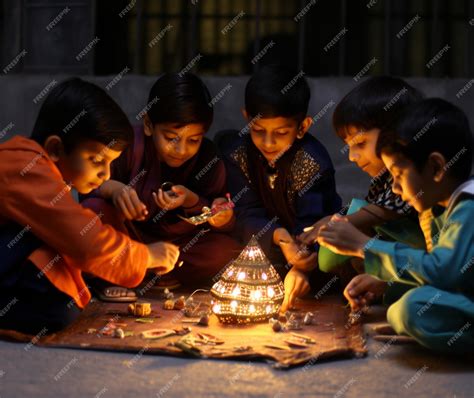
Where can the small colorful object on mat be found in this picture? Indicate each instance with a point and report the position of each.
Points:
(168, 305)
(139, 309)
(207, 212)
(155, 334)
(180, 303)
(144, 320)
(308, 318)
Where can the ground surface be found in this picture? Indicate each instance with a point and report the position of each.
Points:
(388, 371)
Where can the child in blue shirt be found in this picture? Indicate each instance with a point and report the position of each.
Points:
(431, 173)
(281, 177)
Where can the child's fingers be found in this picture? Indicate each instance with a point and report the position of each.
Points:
(173, 250)
(124, 209)
(356, 286)
(369, 297)
(218, 201)
(130, 206)
(284, 305)
(302, 288)
(309, 237)
(307, 263)
(353, 301)
(163, 197)
(170, 196)
(327, 239)
(352, 284)
(289, 287)
(159, 199)
(178, 190)
(138, 204)
(291, 300)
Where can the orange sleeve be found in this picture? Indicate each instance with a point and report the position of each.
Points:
(33, 194)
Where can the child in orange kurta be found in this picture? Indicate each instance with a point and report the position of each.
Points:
(47, 239)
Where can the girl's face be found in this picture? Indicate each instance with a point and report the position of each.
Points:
(274, 136)
(175, 144)
(362, 146)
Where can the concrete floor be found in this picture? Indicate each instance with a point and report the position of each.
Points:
(388, 371)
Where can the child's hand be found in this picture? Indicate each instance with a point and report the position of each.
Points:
(163, 256)
(296, 285)
(298, 255)
(223, 217)
(126, 200)
(364, 289)
(342, 237)
(310, 237)
(178, 196)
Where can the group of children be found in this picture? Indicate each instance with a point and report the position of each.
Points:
(409, 242)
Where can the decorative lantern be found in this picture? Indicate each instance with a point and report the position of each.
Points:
(249, 290)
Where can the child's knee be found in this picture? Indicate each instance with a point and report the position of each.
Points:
(402, 314)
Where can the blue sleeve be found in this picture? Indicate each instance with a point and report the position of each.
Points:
(448, 266)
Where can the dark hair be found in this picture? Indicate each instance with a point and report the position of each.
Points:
(432, 125)
(76, 111)
(276, 91)
(180, 98)
(375, 103)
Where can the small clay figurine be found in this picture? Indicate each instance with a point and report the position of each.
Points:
(293, 323)
(119, 333)
(168, 305)
(180, 303)
(204, 320)
(140, 309)
(277, 326)
(308, 318)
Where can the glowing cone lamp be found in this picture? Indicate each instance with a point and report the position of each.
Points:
(249, 290)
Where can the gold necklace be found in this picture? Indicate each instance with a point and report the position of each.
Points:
(272, 178)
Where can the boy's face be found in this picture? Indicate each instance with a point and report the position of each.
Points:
(416, 188)
(174, 144)
(362, 149)
(87, 166)
(274, 136)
